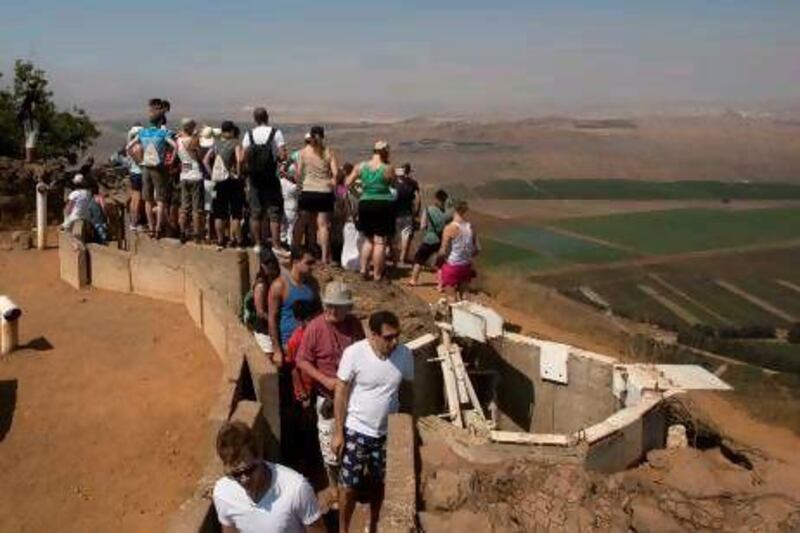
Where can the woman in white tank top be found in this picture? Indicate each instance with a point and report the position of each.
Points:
(459, 247)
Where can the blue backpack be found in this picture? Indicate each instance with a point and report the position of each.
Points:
(154, 146)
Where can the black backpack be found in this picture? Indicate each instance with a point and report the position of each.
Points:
(261, 161)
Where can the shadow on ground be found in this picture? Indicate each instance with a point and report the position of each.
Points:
(8, 402)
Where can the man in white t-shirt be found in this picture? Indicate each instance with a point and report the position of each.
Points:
(258, 496)
(263, 148)
(369, 378)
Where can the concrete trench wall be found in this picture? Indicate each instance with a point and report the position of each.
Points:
(211, 284)
(528, 403)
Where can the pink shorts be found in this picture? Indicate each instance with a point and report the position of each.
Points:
(455, 275)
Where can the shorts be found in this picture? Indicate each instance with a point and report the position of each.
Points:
(325, 430)
(156, 185)
(456, 275)
(363, 460)
(136, 182)
(316, 202)
(405, 226)
(191, 196)
(266, 198)
(424, 253)
(376, 218)
(228, 199)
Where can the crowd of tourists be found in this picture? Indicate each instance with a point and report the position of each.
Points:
(240, 188)
(340, 379)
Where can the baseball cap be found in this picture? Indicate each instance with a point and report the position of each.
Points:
(381, 145)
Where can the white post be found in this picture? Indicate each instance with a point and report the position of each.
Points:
(41, 215)
(9, 325)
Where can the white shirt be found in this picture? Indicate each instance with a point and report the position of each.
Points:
(80, 199)
(260, 136)
(375, 385)
(287, 507)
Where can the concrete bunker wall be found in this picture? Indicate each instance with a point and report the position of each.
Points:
(211, 284)
(528, 403)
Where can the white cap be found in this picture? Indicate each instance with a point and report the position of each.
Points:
(381, 145)
(77, 179)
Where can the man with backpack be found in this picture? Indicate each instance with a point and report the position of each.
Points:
(153, 141)
(263, 148)
(222, 163)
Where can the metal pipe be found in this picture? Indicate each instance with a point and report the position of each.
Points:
(41, 215)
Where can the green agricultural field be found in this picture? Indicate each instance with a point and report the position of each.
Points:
(628, 300)
(730, 306)
(778, 356)
(496, 254)
(563, 248)
(689, 230)
(620, 189)
(767, 289)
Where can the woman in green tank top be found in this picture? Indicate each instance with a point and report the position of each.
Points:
(376, 209)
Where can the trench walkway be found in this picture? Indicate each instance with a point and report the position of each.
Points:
(101, 413)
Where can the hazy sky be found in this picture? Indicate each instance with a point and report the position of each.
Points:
(408, 56)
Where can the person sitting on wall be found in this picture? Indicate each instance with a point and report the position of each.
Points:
(255, 495)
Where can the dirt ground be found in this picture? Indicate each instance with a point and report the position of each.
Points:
(102, 410)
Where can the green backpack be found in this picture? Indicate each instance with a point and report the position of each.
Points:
(249, 316)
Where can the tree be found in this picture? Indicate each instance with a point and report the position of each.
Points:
(62, 133)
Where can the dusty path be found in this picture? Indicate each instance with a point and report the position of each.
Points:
(100, 432)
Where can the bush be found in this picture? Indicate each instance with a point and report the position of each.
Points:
(62, 133)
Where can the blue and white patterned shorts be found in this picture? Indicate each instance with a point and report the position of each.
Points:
(363, 460)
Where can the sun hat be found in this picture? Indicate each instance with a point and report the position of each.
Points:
(337, 294)
(207, 137)
(381, 146)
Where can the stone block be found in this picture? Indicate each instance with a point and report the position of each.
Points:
(193, 300)
(224, 270)
(154, 278)
(74, 265)
(400, 504)
(216, 318)
(250, 413)
(21, 240)
(109, 268)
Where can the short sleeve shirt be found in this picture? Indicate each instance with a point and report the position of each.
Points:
(287, 507)
(261, 135)
(324, 343)
(375, 383)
